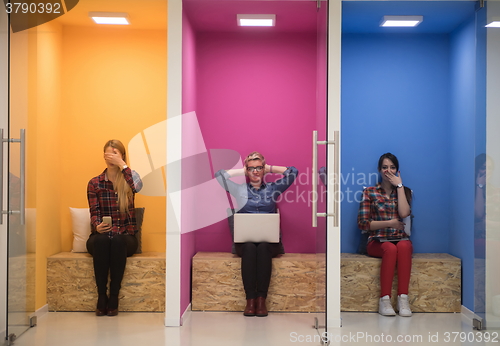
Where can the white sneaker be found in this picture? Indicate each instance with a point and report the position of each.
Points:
(385, 307)
(403, 306)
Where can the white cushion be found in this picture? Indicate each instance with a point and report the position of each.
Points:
(80, 218)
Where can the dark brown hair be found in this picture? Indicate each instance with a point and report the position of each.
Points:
(395, 161)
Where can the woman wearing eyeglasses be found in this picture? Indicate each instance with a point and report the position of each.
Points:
(256, 196)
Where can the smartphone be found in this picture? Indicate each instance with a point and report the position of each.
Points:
(107, 219)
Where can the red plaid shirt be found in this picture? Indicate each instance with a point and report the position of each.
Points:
(375, 206)
(103, 201)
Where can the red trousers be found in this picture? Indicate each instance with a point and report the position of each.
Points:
(392, 253)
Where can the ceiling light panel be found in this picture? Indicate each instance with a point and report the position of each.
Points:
(401, 21)
(116, 18)
(256, 19)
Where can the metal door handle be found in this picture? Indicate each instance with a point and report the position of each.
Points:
(22, 198)
(1, 177)
(314, 203)
(315, 180)
(23, 176)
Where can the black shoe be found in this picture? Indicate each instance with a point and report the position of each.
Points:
(102, 303)
(113, 305)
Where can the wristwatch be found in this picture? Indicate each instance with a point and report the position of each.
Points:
(124, 167)
(399, 185)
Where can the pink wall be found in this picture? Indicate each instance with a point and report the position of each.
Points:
(321, 116)
(257, 91)
(188, 105)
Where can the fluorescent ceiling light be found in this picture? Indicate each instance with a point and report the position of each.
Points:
(401, 21)
(109, 18)
(256, 19)
(493, 22)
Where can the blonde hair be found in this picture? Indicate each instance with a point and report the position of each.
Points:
(252, 157)
(121, 186)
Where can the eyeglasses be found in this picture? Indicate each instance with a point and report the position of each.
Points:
(258, 169)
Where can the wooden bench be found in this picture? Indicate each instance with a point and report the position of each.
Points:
(217, 285)
(435, 283)
(71, 284)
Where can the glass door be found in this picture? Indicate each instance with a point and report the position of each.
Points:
(21, 244)
(320, 171)
(488, 244)
(4, 50)
(441, 74)
(283, 76)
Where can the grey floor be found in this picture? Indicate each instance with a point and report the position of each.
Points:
(230, 328)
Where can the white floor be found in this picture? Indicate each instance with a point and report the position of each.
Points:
(222, 328)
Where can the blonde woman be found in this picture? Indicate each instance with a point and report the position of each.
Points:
(111, 199)
(256, 197)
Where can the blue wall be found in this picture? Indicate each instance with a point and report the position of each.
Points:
(395, 98)
(463, 152)
(420, 97)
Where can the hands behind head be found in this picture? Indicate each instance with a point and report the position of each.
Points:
(394, 179)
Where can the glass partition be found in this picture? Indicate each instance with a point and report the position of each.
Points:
(489, 242)
(321, 167)
(436, 85)
(260, 89)
(21, 219)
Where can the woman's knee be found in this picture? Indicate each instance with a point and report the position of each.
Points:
(248, 246)
(263, 247)
(405, 246)
(243, 249)
(98, 242)
(125, 242)
(389, 248)
(118, 240)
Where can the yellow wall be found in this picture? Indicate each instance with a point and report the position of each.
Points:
(35, 106)
(47, 153)
(114, 86)
(76, 88)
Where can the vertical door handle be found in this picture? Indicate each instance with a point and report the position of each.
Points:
(314, 203)
(22, 198)
(336, 171)
(22, 178)
(314, 170)
(1, 177)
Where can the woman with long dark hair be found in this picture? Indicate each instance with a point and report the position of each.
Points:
(381, 214)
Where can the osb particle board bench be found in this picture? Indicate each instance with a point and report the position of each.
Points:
(71, 285)
(435, 283)
(217, 284)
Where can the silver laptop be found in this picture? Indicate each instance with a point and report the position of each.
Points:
(257, 228)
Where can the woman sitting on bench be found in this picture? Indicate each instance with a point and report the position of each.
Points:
(256, 197)
(111, 195)
(380, 214)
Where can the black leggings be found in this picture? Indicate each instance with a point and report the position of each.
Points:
(256, 266)
(110, 255)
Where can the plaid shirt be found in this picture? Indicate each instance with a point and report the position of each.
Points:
(375, 206)
(103, 201)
